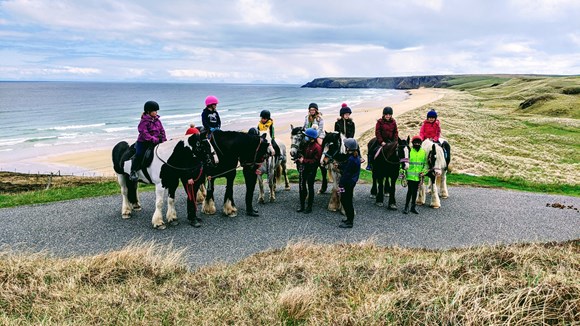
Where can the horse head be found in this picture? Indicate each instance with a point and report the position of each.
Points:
(403, 152)
(296, 141)
(332, 146)
(203, 149)
(435, 156)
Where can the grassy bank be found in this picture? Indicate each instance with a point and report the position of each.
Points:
(354, 284)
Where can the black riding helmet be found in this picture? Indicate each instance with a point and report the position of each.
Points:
(265, 114)
(151, 106)
(388, 110)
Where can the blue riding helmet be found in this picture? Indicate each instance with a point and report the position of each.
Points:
(350, 144)
(311, 133)
(432, 114)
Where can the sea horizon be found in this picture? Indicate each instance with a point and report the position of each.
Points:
(43, 118)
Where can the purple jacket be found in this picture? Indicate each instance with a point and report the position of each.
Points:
(151, 130)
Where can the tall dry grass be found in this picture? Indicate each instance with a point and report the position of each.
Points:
(349, 284)
(490, 136)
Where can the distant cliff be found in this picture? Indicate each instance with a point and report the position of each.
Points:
(411, 82)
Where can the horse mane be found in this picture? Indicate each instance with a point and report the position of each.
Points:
(440, 162)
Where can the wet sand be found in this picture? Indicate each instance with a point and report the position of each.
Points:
(98, 161)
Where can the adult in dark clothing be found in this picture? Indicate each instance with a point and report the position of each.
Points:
(385, 131)
(307, 166)
(344, 124)
(350, 171)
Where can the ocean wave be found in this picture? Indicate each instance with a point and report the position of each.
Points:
(117, 129)
(41, 138)
(94, 125)
(12, 141)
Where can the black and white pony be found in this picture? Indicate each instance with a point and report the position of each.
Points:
(233, 147)
(438, 159)
(389, 159)
(175, 160)
(297, 147)
(333, 153)
(274, 167)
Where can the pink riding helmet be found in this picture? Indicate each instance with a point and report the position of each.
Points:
(211, 100)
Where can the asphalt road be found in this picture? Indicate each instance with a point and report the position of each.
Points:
(470, 217)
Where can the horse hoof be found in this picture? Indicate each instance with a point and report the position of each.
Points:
(392, 208)
(444, 197)
(174, 223)
(287, 188)
(160, 227)
(380, 204)
(126, 216)
(435, 207)
(373, 196)
(137, 208)
(272, 200)
(261, 201)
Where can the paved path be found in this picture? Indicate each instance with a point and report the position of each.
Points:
(471, 216)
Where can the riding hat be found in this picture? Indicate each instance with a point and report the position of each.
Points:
(265, 114)
(151, 106)
(311, 133)
(211, 100)
(432, 114)
(416, 138)
(388, 110)
(344, 110)
(350, 144)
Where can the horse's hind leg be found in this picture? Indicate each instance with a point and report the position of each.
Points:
(324, 186)
(390, 185)
(260, 183)
(285, 174)
(201, 193)
(421, 196)
(208, 206)
(171, 215)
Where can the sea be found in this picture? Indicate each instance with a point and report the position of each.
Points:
(47, 118)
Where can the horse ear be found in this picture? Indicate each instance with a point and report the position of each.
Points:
(291, 127)
(408, 139)
(433, 148)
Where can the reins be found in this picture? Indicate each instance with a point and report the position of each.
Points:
(175, 167)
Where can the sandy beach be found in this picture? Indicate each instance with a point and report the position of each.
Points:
(97, 162)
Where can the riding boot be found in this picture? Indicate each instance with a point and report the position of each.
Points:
(135, 166)
(414, 209)
(346, 224)
(308, 209)
(301, 209)
(369, 162)
(406, 210)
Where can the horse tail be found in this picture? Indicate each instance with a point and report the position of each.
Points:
(447, 148)
(118, 152)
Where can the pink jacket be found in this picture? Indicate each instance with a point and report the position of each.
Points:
(430, 130)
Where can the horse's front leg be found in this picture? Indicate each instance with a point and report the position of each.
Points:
(421, 194)
(380, 194)
(392, 181)
(201, 193)
(126, 206)
(435, 203)
(208, 206)
(171, 214)
(272, 184)
(334, 202)
(260, 183)
(443, 186)
(229, 208)
(374, 187)
(192, 190)
(157, 219)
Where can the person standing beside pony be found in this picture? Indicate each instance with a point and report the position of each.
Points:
(350, 172)
(431, 128)
(417, 169)
(344, 124)
(307, 167)
(386, 131)
(151, 133)
(314, 120)
(210, 118)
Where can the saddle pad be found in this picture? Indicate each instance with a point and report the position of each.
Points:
(378, 152)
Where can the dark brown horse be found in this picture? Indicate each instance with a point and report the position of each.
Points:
(389, 159)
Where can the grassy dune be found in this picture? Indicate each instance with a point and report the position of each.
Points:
(523, 130)
(358, 284)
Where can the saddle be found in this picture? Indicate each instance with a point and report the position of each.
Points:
(147, 156)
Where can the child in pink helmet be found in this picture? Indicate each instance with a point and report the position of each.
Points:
(210, 118)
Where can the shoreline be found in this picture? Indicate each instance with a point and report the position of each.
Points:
(97, 162)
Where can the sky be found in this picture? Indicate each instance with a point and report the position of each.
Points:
(277, 41)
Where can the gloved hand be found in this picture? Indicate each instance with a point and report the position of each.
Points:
(340, 189)
(212, 129)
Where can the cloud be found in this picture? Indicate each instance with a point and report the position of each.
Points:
(283, 41)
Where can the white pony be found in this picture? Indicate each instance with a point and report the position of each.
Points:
(177, 159)
(274, 166)
(437, 176)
